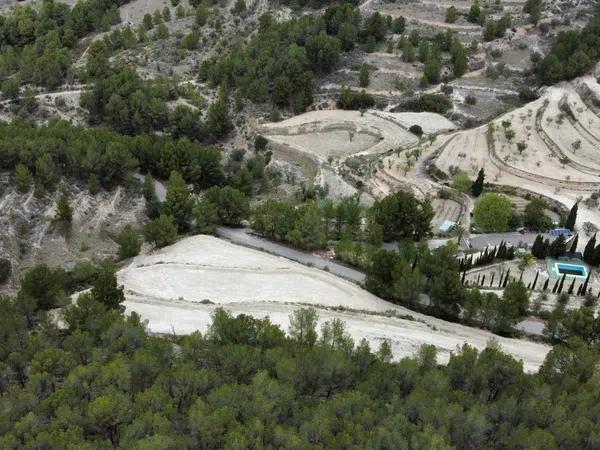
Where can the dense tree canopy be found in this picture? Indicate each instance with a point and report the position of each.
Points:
(103, 382)
(492, 213)
(48, 152)
(37, 42)
(279, 63)
(572, 54)
(402, 216)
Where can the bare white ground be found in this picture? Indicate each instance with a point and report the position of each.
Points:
(167, 289)
(339, 133)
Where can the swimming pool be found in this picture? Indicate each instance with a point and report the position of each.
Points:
(574, 270)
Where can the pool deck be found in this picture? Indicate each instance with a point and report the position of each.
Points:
(551, 266)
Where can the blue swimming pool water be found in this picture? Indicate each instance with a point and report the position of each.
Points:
(571, 269)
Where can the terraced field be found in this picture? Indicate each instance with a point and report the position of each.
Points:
(560, 160)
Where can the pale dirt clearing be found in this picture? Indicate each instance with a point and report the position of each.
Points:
(167, 289)
(133, 12)
(206, 268)
(339, 133)
(431, 123)
(404, 335)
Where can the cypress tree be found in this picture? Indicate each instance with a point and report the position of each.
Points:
(570, 291)
(557, 247)
(463, 277)
(574, 244)
(492, 280)
(535, 280)
(562, 283)
(510, 253)
(483, 280)
(588, 252)
(538, 247)
(546, 284)
(506, 278)
(579, 289)
(546, 247)
(555, 287)
(596, 256)
(585, 283)
(477, 186)
(500, 280)
(572, 217)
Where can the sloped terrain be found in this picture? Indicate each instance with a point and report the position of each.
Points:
(178, 287)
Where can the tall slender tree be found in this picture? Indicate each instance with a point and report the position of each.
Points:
(588, 252)
(572, 217)
(477, 186)
(574, 244)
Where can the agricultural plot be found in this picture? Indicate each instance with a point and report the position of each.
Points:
(529, 143)
(339, 134)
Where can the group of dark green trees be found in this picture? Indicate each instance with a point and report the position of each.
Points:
(572, 54)
(120, 99)
(41, 155)
(181, 211)
(311, 225)
(279, 64)
(101, 381)
(591, 252)
(37, 43)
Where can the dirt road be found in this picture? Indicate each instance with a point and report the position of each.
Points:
(243, 236)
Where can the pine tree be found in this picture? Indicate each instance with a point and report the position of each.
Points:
(572, 218)
(129, 243)
(574, 244)
(363, 76)
(218, 120)
(64, 212)
(477, 186)
(588, 252)
(178, 202)
(106, 290)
